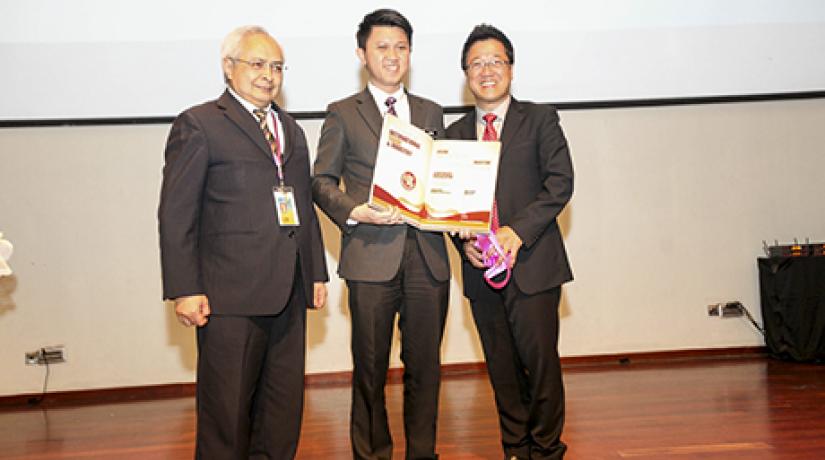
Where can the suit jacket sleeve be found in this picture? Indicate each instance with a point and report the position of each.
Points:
(329, 166)
(184, 174)
(556, 169)
(319, 261)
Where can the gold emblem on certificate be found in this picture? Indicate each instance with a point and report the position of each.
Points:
(408, 180)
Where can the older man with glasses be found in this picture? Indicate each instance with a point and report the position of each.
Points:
(241, 253)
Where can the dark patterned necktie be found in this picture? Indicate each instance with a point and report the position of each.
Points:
(271, 139)
(490, 134)
(390, 103)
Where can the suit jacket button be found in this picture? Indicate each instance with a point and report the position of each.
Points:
(291, 233)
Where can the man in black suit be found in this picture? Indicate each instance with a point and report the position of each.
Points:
(519, 324)
(241, 253)
(390, 268)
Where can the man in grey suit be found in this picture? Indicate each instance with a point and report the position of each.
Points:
(519, 324)
(390, 268)
(241, 253)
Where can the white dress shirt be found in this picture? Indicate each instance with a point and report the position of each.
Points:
(402, 104)
(500, 112)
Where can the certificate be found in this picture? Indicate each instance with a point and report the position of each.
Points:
(438, 185)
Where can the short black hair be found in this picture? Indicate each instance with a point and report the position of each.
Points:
(487, 32)
(382, 17)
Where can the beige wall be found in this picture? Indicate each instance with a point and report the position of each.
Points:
(670, 209)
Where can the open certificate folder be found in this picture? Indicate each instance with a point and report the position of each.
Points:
(438, 185)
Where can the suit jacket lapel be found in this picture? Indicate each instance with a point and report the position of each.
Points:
(417, 115)
(289, 134)
(369, 112)
(512, 123)
(468, 127)
(244, 120)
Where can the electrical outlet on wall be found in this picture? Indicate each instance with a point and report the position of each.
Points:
(46, 355)
(730, 309)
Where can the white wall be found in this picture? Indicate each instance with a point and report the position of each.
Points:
(583, 50)
(670, 209)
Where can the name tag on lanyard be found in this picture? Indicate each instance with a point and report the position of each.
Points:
(284, 196)
(285, 206)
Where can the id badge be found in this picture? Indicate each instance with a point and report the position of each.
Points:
(285, 206)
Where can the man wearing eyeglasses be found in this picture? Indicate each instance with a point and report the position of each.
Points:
(519, 323)
(390, 268)
(241, 253)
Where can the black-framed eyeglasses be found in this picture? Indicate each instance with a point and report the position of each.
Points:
(495, 64)
(259, 65)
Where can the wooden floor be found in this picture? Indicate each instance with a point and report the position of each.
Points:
(754, 409)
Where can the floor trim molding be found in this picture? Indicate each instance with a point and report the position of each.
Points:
(452, 370)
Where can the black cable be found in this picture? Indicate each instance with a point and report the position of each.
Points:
(750, 318)
(37, 400)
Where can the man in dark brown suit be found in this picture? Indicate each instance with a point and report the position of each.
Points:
(519, 324)
(390, 268)
(241, 253)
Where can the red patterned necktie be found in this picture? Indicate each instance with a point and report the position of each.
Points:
(271, 139)
(390, 103)
(490, 134)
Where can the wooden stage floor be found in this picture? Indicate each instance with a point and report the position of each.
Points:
(753, 408)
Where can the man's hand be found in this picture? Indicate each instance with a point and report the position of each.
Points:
(464, 234)
(473, 253)
(319, 295)
(510, 243)
(192, 310)
(365, 214)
